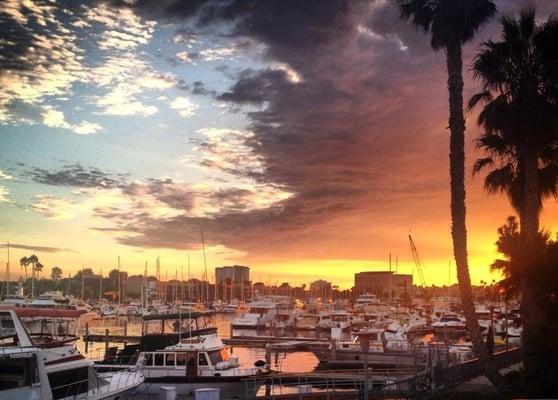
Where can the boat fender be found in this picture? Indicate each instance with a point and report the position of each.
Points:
(222, 365)
(259, 364)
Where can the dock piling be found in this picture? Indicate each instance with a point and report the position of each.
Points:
(106, 342)
(86, 337)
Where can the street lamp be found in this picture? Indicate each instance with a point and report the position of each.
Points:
(364, 340)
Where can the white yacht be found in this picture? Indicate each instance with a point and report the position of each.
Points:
(235, 306)
(365, 300)
(340, 319)
(32, 371)
(449, 322)
(383, 351)
(307, 322)
(198, 362)
(262, 312)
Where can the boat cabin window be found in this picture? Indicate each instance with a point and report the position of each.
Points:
(16, 373)
(159, 359)
(148, 359)
(181, 359)
(64, 384)
(202, 360)
(169, 360)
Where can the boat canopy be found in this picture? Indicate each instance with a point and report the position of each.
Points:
(26, 312)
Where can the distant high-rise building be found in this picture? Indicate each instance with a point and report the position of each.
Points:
(233, 282)
(383, 283)
(229, 274)
(320, 288)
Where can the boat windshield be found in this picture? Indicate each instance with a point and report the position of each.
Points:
(218, 356)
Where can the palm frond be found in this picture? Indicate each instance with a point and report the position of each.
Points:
(499, 180)
(476, 98)
(482, 163)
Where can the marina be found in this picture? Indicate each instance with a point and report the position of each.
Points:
(187, 349)
(278, 199)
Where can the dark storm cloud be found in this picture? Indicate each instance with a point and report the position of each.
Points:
(353, 124)
(255, 87)
(43, 249)
(76, 175)
(328, 136)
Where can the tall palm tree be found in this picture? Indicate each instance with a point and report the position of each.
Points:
(33, 260)
(451, 23)
(520, 121)
(24, 262)
(520, 114)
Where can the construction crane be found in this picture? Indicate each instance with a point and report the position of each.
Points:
(418, 264)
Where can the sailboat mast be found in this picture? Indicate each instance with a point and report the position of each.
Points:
(8, 271)
(189, 299)
(205, 266)
(82, 282)
(101, 285)
(119, 280)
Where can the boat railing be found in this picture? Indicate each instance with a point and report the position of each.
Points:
(18, 349)
(101, 385)
(301, 384)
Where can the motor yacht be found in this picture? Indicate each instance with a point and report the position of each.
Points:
(33, 371)
(385, 352)
(198, 362)
(262, 312)
(449, 323)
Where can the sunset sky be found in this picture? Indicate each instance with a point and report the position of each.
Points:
(306, 138)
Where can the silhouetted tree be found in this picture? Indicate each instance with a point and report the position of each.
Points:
(520, 121)
(539, 377)
(451, 23)
(56, 273)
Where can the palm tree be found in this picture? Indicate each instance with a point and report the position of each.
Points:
(33, 260)
(520, 121)
(451, 23)
(24, 262)
(520, 115)
(507, 173)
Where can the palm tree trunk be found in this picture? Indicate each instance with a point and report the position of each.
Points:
(32, 280)
(531, 313)
(457, 174)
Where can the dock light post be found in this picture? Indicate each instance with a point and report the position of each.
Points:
(364, 340)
